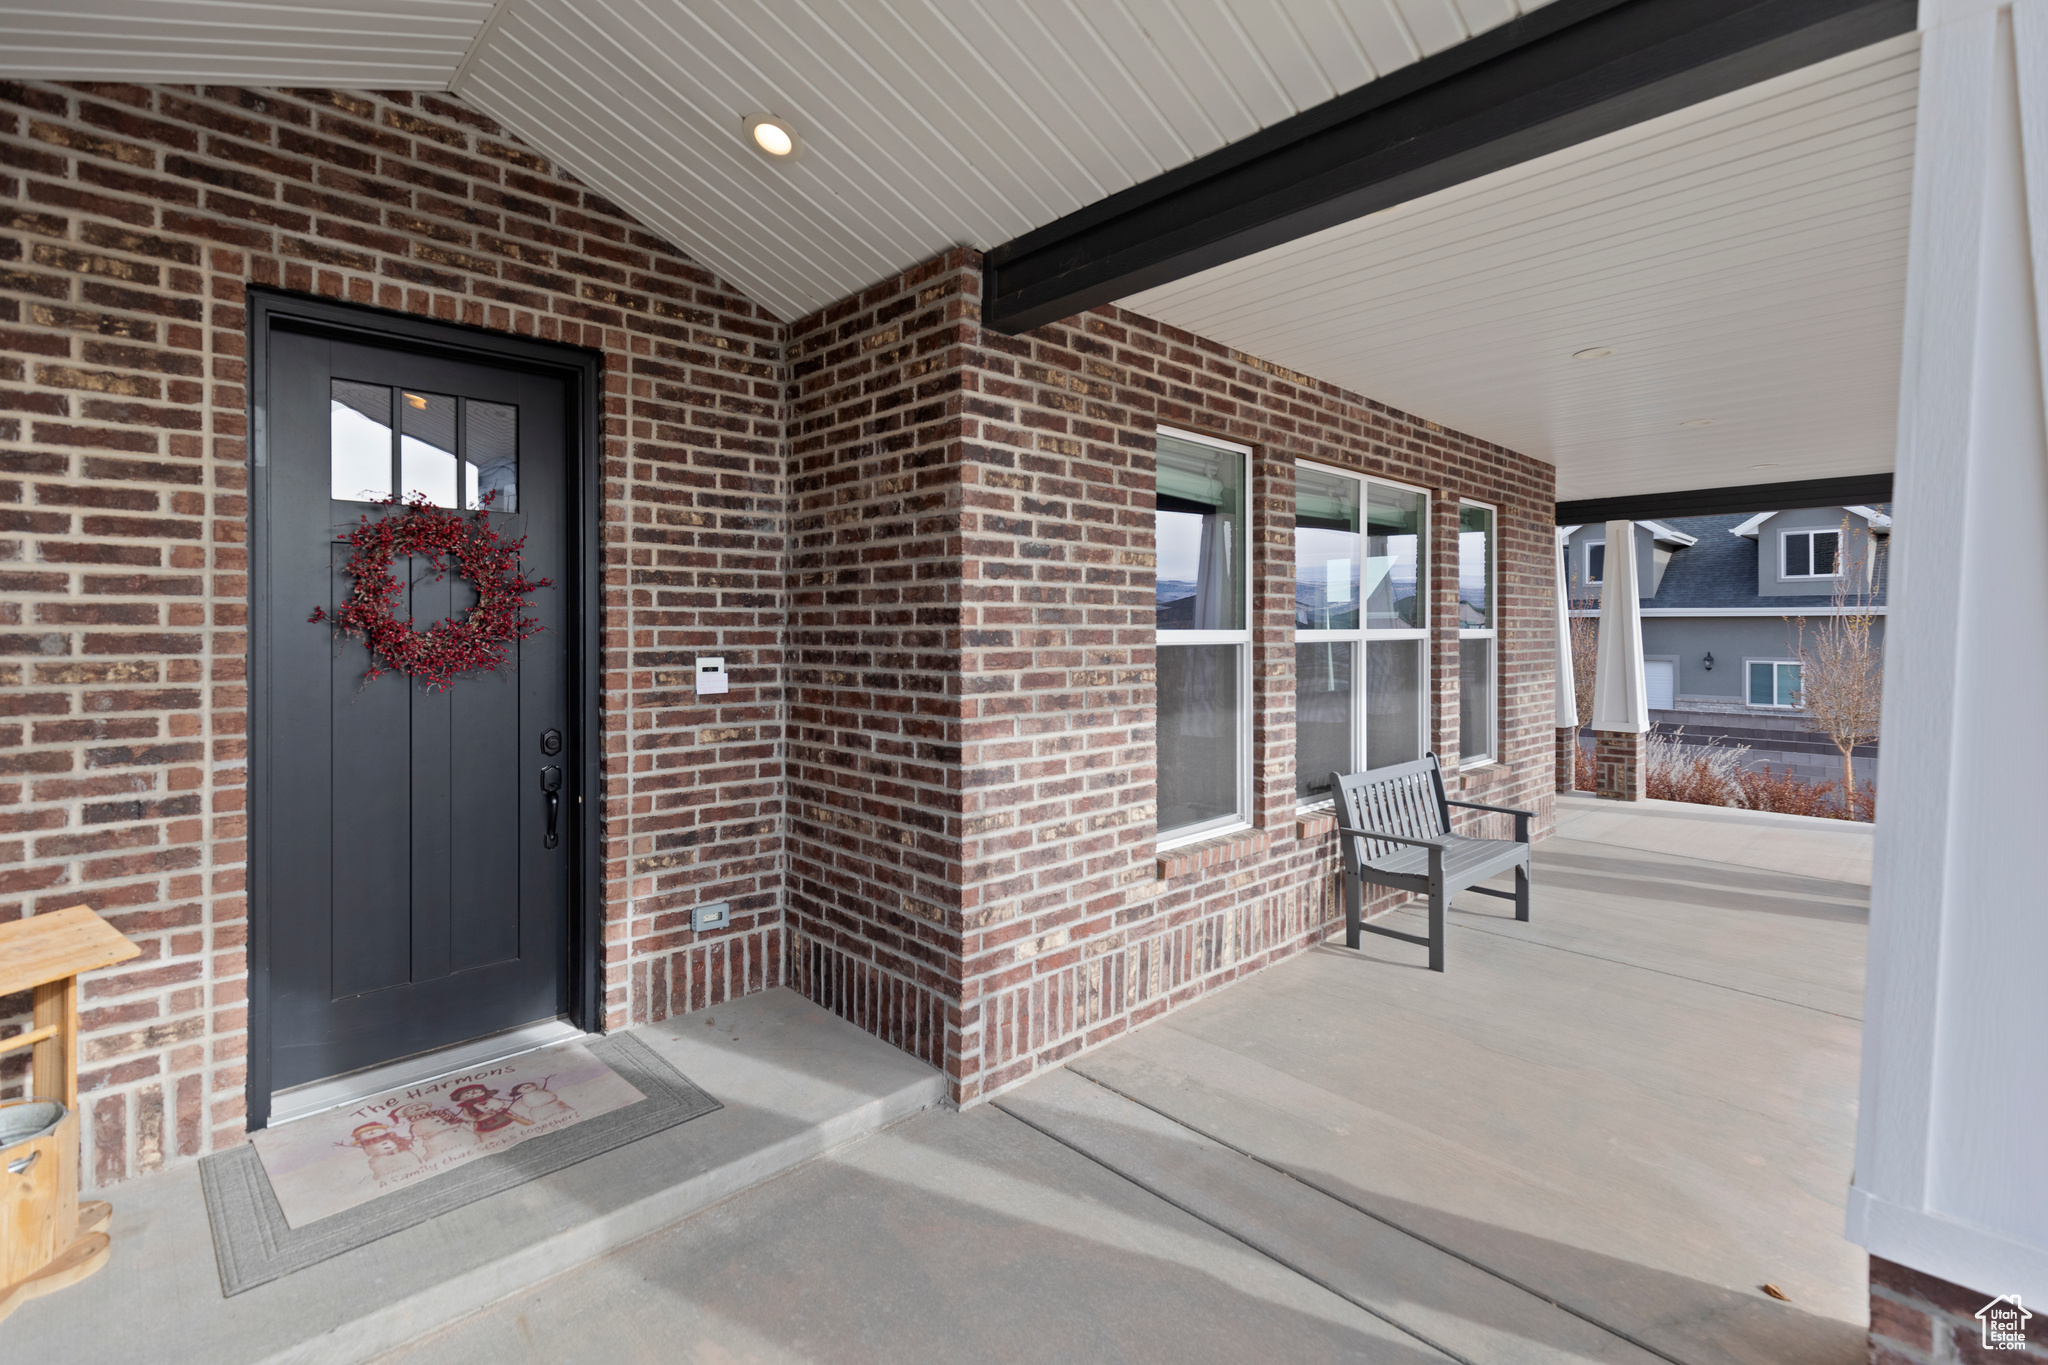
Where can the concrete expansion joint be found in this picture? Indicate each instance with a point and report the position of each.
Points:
(1297, 1179)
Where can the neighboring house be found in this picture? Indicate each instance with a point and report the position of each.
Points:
(1724, 597)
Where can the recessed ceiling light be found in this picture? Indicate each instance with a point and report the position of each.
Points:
(1593, 353)
(1763, 466)
(1698, 422)
(773, 137)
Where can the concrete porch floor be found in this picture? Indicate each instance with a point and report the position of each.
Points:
(1595, 1138)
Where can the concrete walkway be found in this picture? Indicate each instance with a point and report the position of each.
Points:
(1595, 1138)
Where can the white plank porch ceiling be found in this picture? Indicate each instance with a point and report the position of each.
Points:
(1745, 258)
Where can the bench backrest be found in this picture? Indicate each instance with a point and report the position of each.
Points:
(1406, 800)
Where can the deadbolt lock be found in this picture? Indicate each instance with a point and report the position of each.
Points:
(551, 742)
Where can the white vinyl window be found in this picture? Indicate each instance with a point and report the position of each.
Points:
(1596, 561)
(1772, 682)
(1810, 554)
(1361, 625)
(1478, 634)
(1202, 604)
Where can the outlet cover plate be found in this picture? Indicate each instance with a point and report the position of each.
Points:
(716, 915)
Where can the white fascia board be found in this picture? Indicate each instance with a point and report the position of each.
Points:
(1791, 615)
(1749, 528)
(1660, 531)
(1567, 532)
(1877, 520)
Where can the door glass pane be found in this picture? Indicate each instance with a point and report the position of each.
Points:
(1788, 684)
(1322, 716)
(426, 447)
(1393, 549)
(1198, 748)
(1798, 557)
(1327, 550)
(1760, 688)
(1596, 563)
(1825, 546)
(1475, 699)
(1393, 702)
(1199, 530)
(490, 458)
(359, 448)
(1475, 568)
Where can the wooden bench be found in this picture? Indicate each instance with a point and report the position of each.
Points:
(1395, 829)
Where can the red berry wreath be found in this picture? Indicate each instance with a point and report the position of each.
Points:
(475, 643)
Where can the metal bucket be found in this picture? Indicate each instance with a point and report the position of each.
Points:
(21, 1123)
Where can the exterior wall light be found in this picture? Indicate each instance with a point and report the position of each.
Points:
(773, 137)
(1708, 662)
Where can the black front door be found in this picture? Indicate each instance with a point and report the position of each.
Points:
(413, 896)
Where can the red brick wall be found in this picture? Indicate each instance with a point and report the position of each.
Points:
(952, 530)
(1918, 1319)
(130, 221)
(972, 583)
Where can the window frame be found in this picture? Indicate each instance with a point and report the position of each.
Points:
(1489, 633)
(1586, 574)
(1169, 639)
(1748, 664)
(1784, 547)
(1360, 636)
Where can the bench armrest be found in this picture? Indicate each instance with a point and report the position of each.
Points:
(1498, 810)
(1522, 817)
(1438, 843)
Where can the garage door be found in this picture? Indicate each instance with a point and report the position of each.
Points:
(1659, 676)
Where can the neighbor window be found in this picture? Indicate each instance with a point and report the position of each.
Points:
(1477, 633)
(1596, 561)
(1203, 614)
(1812, 554)
(1773, 682)
(1360, 625)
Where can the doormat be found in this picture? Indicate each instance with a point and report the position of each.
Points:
(329, 1183)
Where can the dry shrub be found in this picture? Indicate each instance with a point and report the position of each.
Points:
(1582, 766)
(1704, 775)
(1787, 794)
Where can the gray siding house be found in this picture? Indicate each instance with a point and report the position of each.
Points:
(1721, 615)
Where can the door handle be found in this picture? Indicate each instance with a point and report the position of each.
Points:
(551, 784)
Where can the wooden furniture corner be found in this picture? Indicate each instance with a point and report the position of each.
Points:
(47, 1238)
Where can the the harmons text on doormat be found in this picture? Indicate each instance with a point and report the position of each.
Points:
(327, 1162)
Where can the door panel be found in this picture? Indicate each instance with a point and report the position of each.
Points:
(411, 902)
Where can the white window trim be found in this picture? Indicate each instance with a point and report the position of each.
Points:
(1492, 633)
(1364, 635)
(1586, 563)
(1767, 705)
(1840, 554)
(1169, 639)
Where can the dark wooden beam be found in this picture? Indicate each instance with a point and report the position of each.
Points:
(1555, 77)
(1850, 490)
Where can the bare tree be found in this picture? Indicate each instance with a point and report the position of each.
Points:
(1585, 654)
(1841, 670)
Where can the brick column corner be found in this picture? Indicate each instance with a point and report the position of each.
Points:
(1918, 1319)
(1618, 765)
(1567, 759)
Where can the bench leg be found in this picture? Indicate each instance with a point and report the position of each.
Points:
(1436, 928)
(1521, 893)
(1354, 916)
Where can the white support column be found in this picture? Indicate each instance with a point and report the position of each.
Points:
(1567, 751)
(1567, 682)
(1620, 697)
(1952, 1133)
